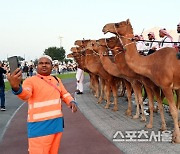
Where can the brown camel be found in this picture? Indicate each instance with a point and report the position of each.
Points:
(94, 65)
(80, 60)
(161, 67)
(94, 68)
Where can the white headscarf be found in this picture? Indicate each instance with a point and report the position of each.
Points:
(166, 33)
(46, 56)
(151, 33)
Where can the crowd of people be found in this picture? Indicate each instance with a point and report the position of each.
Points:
(148, 47)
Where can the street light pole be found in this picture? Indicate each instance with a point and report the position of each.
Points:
(60, 38)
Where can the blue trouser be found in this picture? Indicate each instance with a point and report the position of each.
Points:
(2, 96)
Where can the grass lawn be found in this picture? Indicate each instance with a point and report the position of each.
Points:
(67, 75)
(61, 76)
(7, 86)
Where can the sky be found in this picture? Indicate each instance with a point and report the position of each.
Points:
(28, 27)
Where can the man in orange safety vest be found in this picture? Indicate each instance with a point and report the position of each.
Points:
(44, 94)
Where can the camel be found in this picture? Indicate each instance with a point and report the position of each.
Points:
(161, 67)
(102, 46)
(94, 65)
(94, 79)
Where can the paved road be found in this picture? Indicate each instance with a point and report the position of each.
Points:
(79, 137)
(109, 122)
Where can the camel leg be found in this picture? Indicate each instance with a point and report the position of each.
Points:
(174, 112)
(93, 85)
(135, 88)
(178, 99)
(151, 106)
(122, 88)
(107, 92)
(101, 91)
(96, 86)
(140, 98)
(161, 109)
(129, 94)
(178, 102)
(114, 90)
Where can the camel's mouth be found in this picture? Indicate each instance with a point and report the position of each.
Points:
(105, 31)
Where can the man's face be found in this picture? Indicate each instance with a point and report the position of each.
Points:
(178, 29)
(150, 37)
(161, 34)
(44, 66)
(136, 38)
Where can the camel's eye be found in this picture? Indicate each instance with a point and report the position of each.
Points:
(116, 25)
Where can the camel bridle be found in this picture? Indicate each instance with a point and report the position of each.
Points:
(121, 36)
(114, 49)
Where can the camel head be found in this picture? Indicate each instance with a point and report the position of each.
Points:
(78, 42)
(70, 55)
(74, 49)
(81, 43)
(92, 45)
(75, 52)
(98, 46)
(77, 55)
(111, 42)
(121, 28)
(78, 51)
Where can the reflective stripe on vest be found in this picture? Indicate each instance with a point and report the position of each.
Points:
(46, 103)
(44, 110)
(66, 95)
(46, 114)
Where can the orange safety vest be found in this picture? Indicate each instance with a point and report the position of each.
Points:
(44, 100)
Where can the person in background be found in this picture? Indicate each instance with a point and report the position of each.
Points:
(31, 70)
(44, 94)
(140, 45)
(166, 37)
(25, 71)
(152, 46)
(178, 44)
(2, 87)
(178, 31)
(79, 78)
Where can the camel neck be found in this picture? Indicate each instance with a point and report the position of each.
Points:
(135, 61)
(109, 65)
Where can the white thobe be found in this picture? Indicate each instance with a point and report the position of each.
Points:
(80, 78)
(163, 44)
